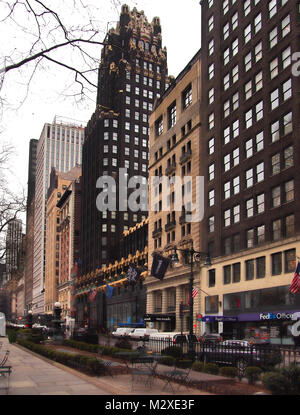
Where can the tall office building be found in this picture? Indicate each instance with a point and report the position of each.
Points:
(59, 146)
(250, 128)
(30, 224)
(132, 75)
(13, 246)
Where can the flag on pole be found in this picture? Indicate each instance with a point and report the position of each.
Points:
(92, 295)
(109, 291)
(133, 274)
(194, 294)
(159, 266)
(295, 285)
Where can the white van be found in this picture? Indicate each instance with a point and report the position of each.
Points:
(122, 331)
(142, 334)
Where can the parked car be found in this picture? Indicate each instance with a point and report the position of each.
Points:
(211, 338)
(141, 334)
(184, 338)
(122, 332)
(238, 353)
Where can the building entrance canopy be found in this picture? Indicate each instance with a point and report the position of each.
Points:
(155, 318)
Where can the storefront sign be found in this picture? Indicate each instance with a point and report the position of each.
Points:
(210, 319)
(158, 318)
(276, 316)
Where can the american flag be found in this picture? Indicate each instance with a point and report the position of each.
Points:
(295, 285)
(92, 295)
(194, 294)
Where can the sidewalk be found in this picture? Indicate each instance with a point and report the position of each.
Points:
(35, 375)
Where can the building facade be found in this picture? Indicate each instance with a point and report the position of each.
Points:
(249, 132)
(59, 182)
(59, 146)
(132, 75)
(28, 278)
(69, 207)
(13, 246)
(174, 155)
(126, 305)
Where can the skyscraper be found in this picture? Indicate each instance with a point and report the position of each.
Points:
(30, 223)
(250, 113)
(132, 75)
(59, 146)
(13, 246)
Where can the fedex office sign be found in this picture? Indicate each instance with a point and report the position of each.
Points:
(276, 316)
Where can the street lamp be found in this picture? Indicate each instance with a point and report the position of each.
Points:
(29, 319)
(194, 256)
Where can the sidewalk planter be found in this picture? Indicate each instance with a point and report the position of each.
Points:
(211, 368)
(253, 374)
(229, 372)
(87, 364)
(198, 366)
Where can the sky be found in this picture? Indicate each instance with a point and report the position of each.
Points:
(27, 109)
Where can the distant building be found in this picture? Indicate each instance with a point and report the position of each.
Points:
(13, 246)
(60, 147)
(28, 278)
(69, 207)
(59, 182)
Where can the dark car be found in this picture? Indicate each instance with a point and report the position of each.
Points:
(238, 353)
(184, 338)
(211, 338)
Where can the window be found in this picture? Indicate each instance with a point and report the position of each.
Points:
(249, 269)
(276, 230)
(211, 277)
(290, 260)
(250, 238)
(276, 263)
(172, 115)
(261, 267)
(187, 97)
(236, 272)
(227, 274)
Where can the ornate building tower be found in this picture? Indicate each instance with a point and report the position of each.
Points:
(132, 75)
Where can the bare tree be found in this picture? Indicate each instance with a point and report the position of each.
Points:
(49, 32)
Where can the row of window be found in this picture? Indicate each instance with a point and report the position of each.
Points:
(171, 236)
(279, 161)
(186, 101)
(146, 80)
(256, 268)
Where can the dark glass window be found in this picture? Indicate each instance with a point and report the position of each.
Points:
(261, 267)
(211, 277)
(236, 272)
(276, 264)
(227, 274)
(212, 304)
(290, 260)
(250, 269)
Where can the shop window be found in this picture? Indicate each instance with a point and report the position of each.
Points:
(232, 301)
(212, 304)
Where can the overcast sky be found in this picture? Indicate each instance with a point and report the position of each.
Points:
(21, 121)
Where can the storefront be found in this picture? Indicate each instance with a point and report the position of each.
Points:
(266, 315)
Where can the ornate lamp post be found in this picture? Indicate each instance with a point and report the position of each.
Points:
(57, 335)
(191, 256)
